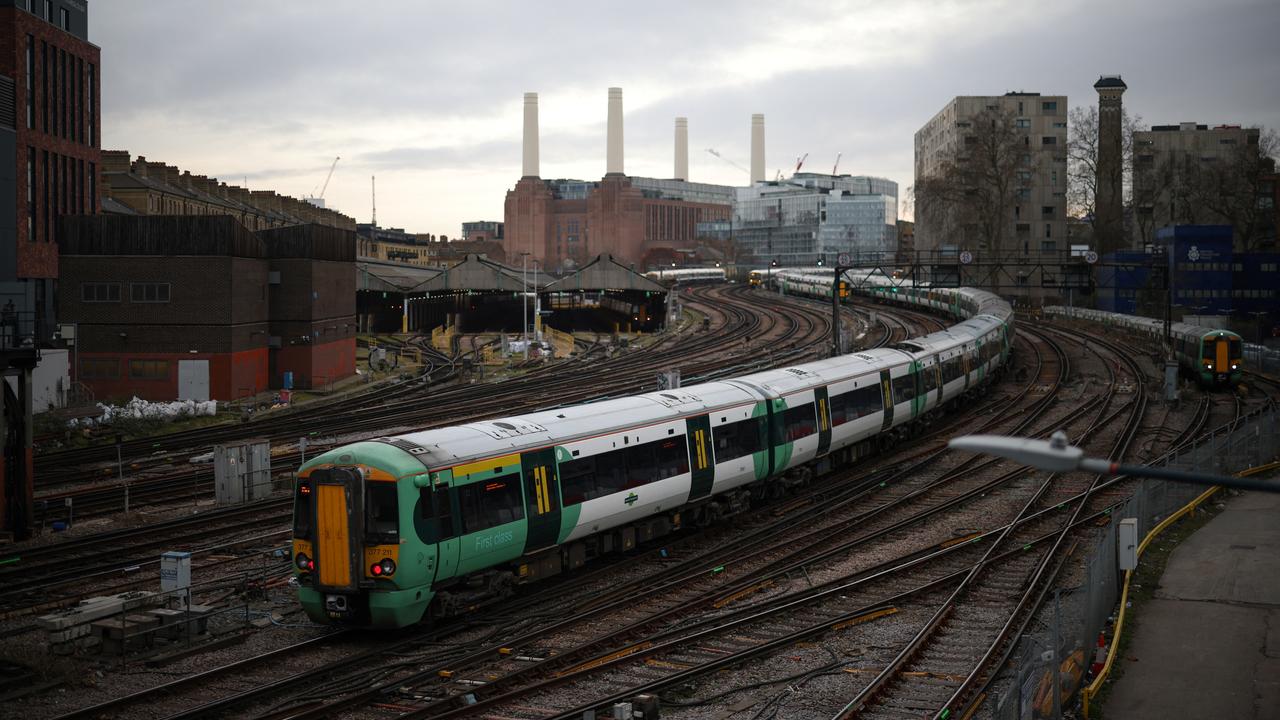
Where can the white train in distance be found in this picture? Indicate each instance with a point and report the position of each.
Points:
(686, 276)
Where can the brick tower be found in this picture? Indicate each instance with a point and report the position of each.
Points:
(1108, 223)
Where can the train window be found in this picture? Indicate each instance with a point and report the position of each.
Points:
(492, 502)
(952, 369)
(737, 439)
(302, 512)
(444, 513)
(929, 375)
(850, 406)
(381, 513)
(838, 409)
(436, 513)
(611, 473)
(642, 467)
(577, 478)
(1210, 347)
(673, 457)
(904, 388)
(799, 422)
(1233, 346)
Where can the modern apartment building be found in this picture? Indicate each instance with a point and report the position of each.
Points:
(1036, 209)
(49, 147)
(1176, 168)
(812, 216)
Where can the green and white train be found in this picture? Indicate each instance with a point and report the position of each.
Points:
(1213, 356)
(392, 531)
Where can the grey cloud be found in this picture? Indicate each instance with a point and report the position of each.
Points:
(288, 72)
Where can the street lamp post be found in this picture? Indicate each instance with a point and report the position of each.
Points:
(1057, 455)
(524, 302)
(537, 303)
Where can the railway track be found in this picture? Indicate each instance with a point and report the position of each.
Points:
(805, 329)
(800, 517)
(762, 593)
(666, 560)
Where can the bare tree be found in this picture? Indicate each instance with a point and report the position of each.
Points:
(972, 193)
(1230, 188)
(1182, 188)
(1082, 160)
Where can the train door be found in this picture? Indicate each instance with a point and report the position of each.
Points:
(542, 498)
(965, 365)
(937, 375)
(886, 389)
(335, 536)
(823, 403)
(1221, 359)
(444, 508)
(773, 433)
(702, 463)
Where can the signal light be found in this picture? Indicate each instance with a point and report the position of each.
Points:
(376, 569)
(304, 563)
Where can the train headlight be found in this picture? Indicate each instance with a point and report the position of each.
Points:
(304, 563)
(1234, 366)
(385, 568)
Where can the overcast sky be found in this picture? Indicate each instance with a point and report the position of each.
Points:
(427, 96)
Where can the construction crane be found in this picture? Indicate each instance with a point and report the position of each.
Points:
(800, 162)
(836, 167)
(327, 178)
(717, 154)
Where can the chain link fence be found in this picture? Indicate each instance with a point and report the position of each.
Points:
(1061, 643)
(1262, 359)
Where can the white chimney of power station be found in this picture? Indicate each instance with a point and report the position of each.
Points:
(682, 149)
(613, 165)
(530, 135)
(757, 148)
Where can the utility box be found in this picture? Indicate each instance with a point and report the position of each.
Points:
(1127, 544)
(1170, 381)
(175, 574)
(242, 471)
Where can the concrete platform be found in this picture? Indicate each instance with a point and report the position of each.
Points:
(1208, 645)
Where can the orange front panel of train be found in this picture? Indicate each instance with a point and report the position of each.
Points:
(1221, 358)
(334, 545)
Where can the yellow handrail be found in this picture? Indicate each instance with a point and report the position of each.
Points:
(1092, 690)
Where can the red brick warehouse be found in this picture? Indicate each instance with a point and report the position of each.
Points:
(45, 50)
(199, 307)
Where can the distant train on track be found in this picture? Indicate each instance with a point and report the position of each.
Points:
(687, 276)
(392, 531)
(1213, 356)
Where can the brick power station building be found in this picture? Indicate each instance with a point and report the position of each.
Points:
(565, 223)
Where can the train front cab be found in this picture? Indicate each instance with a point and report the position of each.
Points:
(1221, 358)
(353, 563)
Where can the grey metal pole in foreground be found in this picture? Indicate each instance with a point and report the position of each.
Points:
(1056, 455)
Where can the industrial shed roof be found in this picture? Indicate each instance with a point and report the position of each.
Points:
(477, 273)
(604, 273)
(391, 277)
